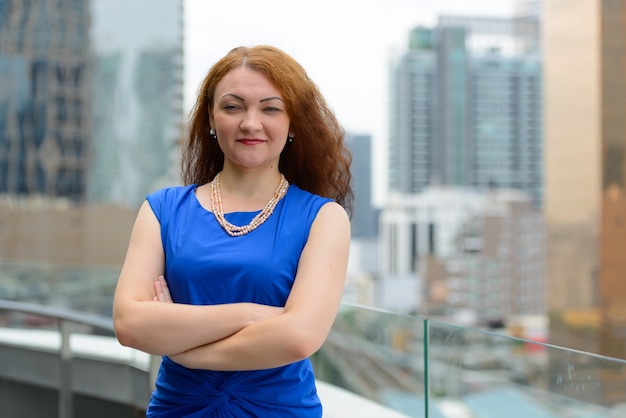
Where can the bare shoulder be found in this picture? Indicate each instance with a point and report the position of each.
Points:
(332, 216)
(335, 210)
(146, 212)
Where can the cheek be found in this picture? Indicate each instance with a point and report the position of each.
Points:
(225, 126)
(281, 130)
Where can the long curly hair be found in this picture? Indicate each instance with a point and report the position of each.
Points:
(316, 160)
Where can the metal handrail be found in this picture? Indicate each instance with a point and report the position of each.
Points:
(65, 317)
(85, 318)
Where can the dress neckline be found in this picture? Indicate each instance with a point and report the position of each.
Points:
(208, 210)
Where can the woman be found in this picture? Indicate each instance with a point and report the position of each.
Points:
(236, 277)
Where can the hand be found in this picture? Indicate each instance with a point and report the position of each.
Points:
(161, 291)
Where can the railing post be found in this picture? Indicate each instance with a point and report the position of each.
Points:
(155, 364)
(66, 407)
(426, 374)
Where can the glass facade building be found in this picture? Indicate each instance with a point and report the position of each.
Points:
(585, 45)
(91, 98)
(138, 89)
(364, 217)
(465, 107)
(91, 110)
(45, 98)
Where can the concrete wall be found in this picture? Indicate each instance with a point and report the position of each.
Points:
(20, 400)
(93, 235)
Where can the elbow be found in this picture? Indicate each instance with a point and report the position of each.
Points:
(303, 344)
(124, 333)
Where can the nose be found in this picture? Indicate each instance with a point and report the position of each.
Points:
(250, 122)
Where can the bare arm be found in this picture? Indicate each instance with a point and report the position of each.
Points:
(309, 312)
(143, 322)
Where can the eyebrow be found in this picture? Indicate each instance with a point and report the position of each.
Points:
(261, 101)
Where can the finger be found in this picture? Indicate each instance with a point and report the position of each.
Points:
(167, 297)
(158, 291)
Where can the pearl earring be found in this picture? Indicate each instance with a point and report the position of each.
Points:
(212, 132)
(290, 136)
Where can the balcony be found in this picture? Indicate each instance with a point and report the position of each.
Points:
(374, 363)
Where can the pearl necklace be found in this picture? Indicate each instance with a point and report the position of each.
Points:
(234, 230)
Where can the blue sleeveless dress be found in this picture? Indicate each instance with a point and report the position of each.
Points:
(204, 266)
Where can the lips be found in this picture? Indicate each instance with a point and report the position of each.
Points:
(250, 141)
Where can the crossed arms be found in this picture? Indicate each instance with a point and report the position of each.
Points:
(237, 336)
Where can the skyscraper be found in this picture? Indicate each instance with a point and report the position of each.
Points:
(365, 216)
(91, 108)
(465, 107)
(584, 44)
(138, 108)
(91, 97)
(45, 98)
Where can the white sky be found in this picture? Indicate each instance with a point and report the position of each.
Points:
(344, 45)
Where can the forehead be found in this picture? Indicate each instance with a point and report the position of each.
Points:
(246, 82)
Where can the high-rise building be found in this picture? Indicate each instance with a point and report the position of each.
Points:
(585, 199)
(138, 97)
(365, 216)
(465, 107)
(45, 98)
(91, 97)
(91, 108)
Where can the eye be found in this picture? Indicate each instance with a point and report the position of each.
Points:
(231, 107)
(272, 109)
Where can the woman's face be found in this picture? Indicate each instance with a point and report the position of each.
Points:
(249, 118)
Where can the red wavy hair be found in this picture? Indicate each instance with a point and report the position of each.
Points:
(316, 160)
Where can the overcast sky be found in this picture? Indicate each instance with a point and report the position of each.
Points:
(344, 45)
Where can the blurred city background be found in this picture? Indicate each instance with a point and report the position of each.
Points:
(489, 164)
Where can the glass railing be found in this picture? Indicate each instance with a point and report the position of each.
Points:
(419, 367)
(428, 368)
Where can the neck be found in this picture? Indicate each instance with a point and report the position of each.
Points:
(247, 191)
(217, 208)
(255, 183)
